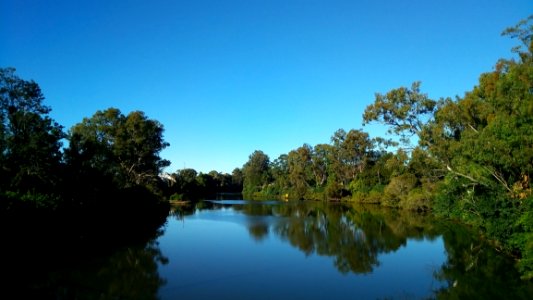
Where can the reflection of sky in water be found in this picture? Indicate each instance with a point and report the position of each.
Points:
(212, 254)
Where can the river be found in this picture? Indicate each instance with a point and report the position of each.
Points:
(235, 249)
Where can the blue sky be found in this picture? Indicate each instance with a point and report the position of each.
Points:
(226, 78)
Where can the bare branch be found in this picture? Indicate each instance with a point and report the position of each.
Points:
(500, 179)
(464, 176)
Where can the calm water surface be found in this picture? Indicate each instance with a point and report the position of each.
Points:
(272, 250)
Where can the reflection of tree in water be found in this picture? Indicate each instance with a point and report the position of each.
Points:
(93, 272)
(355, 236)
(127, 274)
(474, 270)
(257, 221)
(258, 230)
(181, 211)
(255, 212)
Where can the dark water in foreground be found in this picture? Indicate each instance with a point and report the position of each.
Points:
(272, 250)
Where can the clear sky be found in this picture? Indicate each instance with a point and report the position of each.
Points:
(228, 77)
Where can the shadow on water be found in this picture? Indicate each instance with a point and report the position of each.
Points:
(89, 255)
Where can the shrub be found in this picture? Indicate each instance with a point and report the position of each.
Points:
(398, 188)
(416, 199)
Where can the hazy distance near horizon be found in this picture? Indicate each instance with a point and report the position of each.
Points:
(230, 77)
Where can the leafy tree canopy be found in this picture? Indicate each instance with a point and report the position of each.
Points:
(124, 147)
(30, 140)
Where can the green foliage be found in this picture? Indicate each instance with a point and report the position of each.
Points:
(125, 148)
(402, 109)
(256, 172)
(522, 239)
(320, 163)
(279, 169)
(111, 157)
(177, 197)
(366, 193)
(30, 141)
(485, 140)
(317, 194)
(299, 167)
(334, 189)
(375, 195)
(324, 171)
(30, 200)
(416, 199)
(398, 189)
(187, 184)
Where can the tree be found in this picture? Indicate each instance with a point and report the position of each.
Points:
(137, 146)
(337, 169)
(485, 142)
(485, 136)
(320, 162)
(255, 172)
(350, 153)
(30, 140)
(355, 148)
(299, 163)
(280, 170)
(125, 148)
(403, 109)
(186, 183)
(237, 179)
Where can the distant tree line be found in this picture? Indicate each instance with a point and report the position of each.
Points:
(188, 184)
(473, 159)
